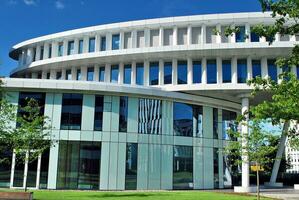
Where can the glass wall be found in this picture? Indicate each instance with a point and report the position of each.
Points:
(226, 71)
(215, 123)
(79, 165)
(131, 166)
(60, 49)
(139, 73)
(71, 112)
(256, 68)
(167, 72)
(240, 35)
(115, 41)
(90, 73)
(41, 56)
(187, 119)
(5, 167)
(68, 74)
(182, 167)
(272, 70)
(80, 48)
(154, 73)
(242, 71)
(216, 167)
(127, 74)
(98, 113)
(44, 169)
(103, 43)
(70, 48)
(297, 69)
(228, 123)
(50, 51)
(102, 74)
(114, 74)
(78, 74)
(58, 75)
(91, 46)
(211, 71)
(182, 72)
(197, 72)
(123, 114)
(150, 116)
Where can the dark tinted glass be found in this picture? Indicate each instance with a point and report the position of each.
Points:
(182, 72)
(154, 73)
(240, 35)
(78, 74)
(58, 76)
(211, 71)
(254, 37)
(242, 71)
(114, 74)
(139, 73)
(215, 123)
(167, 72)
(226, 71)
(68, 75)
(98, 113)
(131, 166)
(91, 47)
(102, 74)
(272, 70)
(256, 68)
(90, 73)
(197, 72)
(80, 48)
(115, 41)
(103, 43)
(127, 74)
(123, 114)
(216, 167)
(70, 48)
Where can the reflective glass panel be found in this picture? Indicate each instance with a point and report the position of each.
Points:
(5, 167)
(102, 74)
(115, 41)
(44, 169)
(114, 74)
(240, 35)
(154, 73)
(215, 123)
(167, 72)
(98, 113)
(216, 167)
(103, 43)
(197, 72)
(139, 73)
(256, 68)
(242, 71)
(228, 123)
(211, 71)
(70, 48)
(226, 71)
(272, 70)
(50, 51)
(91, 46)
(123, 114)
(127, 74)
(182, 72)
(80, 48)
(90, 73)
(254, 37)
(60, 49)
(131, 166)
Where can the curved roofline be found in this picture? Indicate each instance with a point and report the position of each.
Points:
(139, 23)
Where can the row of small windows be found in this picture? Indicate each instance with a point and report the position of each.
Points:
(182, 72)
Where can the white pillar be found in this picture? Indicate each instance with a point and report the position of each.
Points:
(277, 37)
(30, 55)
(134, 38)
(37, 53)
(46, 51)
(218, 36)
(264, 67)
(219, 70)
(122, 40)
(96, 73)
(146, 73)
(44, 74)
(74, 73)
(190, 71)
(97, 42)
(108, 41)
(203, 34)
(26, 168)
(233, 36)
(12, 171)
(161, 36)
(76, 46)
(121, 73)
(133, 73)
(34, 75)
(189, 35)
(147, 38)
(204, 71)
(292, 38)
(53, 74)
(234, 70)
(39, 158)
(54, 49)
(83, 73)
(174, 71)
(107, 72)
(65, 46)
(161, 72)
(249, 68)
(175, 36)
(63, 74)
(85, 44)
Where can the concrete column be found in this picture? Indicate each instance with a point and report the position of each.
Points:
(122, 40)
(204, 71)
(161, 72)
(65, 47)
(247, 32)
(218, 36)
(97, 42)
(292, 38)
(234, 70)
(219, 70)
(107, 72)
(249, 68)
(30, 55)
(46, 51)
(175, 36)
(147, 37)
(134, 38)
(244, 132)
(96, 73)
(12, 171)
(161, 36)
(54, 49)
(146, 73)
(264, 67)
(108, 41)
(190, 71)
(85, 44)
(37, 53)
(203, 33)
(63, 74)
(53, 74)
(133, 73)
(174, 71)
(74, 73)
(34, 75)
(26, 168)
(53, 166)
(262, 39)
(121, 73)
(277, 37)
(189, 35)
(44, 74)
(76, 46)
(83, 73)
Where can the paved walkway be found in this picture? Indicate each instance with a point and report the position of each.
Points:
(282, 193)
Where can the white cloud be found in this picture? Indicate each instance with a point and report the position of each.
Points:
(30, 2)
(59, 5)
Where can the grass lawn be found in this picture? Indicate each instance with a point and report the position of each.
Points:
(177, 195)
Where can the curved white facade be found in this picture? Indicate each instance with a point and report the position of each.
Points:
(175, 84)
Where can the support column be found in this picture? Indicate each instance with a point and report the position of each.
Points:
(44, 74)
(65, 47)
(247, 32)
(204, 71)
(203, 34)
(218, 36)
(63, 74)
(122, 40)
(37, 53)
(190, 71)
(74, 73)
(54, 49)
(85, 44)
(97, 43)
(233, 36)
(219, 70)
(26, 169)
(147, 36)
(76, 46)
(161, 36)
(38, 171)
(12, 171)
(174, 71)
(83, 73)
(121, 73)
(249, 68)
(189, 35)
(53, 74)
(108, 41)
(53, 166)
(133, 73)
(161, 72)
(146, 73)
(96, 73)
(134, 38)
(234, 70)
(46, 51)
(175, 36)
(264, 67)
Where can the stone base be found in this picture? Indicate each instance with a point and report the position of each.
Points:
(275, 184)
(240, 189)
(296, 186)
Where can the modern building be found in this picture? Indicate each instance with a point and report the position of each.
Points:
(292, 156)
(142, 104)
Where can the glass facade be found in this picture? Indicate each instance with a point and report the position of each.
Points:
(150, 116)
(115, 41)
(182, 72)
(103, 43)
(80, 47)
(240, 35)
(167, 72)
(127, 74)
(256, 68)
(154, 73)
(68, 74)
(60, 49)
(44, 169)
(98, 113)
(71, 112)
(272, 70)
(215, 123)
(41, 55)
(70, 48)
(211, 71)
(50, 51)
(90, 73)
(228, 123)
(254, 37)
(131, 166)
(139, 73)
(197, 72)
(226, 71)
(182, 167)
(123, 114)
(216, 167)
(102, 74)
(78, 77)
(114, 74)
(5, 167)
(91, 46)
(297, 69)
(58, 75)
(79, 165)
(242, 71)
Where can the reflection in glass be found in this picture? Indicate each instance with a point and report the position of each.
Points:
(114, 74)
(90, 73)
(211, 71)
(256, 68)
(272, 70)
(215, 123)
(216, 167)
(91, 46)
(115, 41)
(240, 35)
(80, 48)
(182, 167)
(242, 71)
(78, 77)
(150, 116)
(44, 169)
(5, 167)
(131, 166)
(68, 74)
(226, 71)
(98, 113)
(154, 73)
(123, 114)
(60, 49)
(139, 73)
(196, 71)
(70, 48)
(228, 123)
(167, 72)
(127, 74)
(102, 74)
(19, 171)
(103, 43)
(182, 72)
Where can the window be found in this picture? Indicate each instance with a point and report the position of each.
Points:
(70, 48)
(254, 37)
(123, 114)
(139, 73)
(167, 72)
(103, 43)
(196, 71)
(127, 74)
(228, 123)
(182, 167)
(215, 123)
(226, 71)
(211, 71)
(78, 74)
(242, 71)
(186, 119)
(71, 112)
(41, 56)
(68, 75)
(90, 73)
(256, 68)
(216, 167)
(98, 113)
(114, 74)
(79, 165)
(240, 35)
(50, 51)
(48, 75)
(58, 76)
(297, 69)
(102, 74)
(91, 46)
(154, 73)
(80, 48)
(60, 49)
(131, 166)
(150, 116)
(272, 70)
(182, 72)
(115, 41)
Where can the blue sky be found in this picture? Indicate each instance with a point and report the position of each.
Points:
(25, 19)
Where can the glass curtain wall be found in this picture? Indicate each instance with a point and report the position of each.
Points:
(182, 72)
(154, 73)
(167, 72)
(226, 71)
(114, 74)
(131, 166)
(139, 73)
(127, 74)
(123, 114)
(98, 113)
(228, 123)
(211, 71)
(197, 72)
